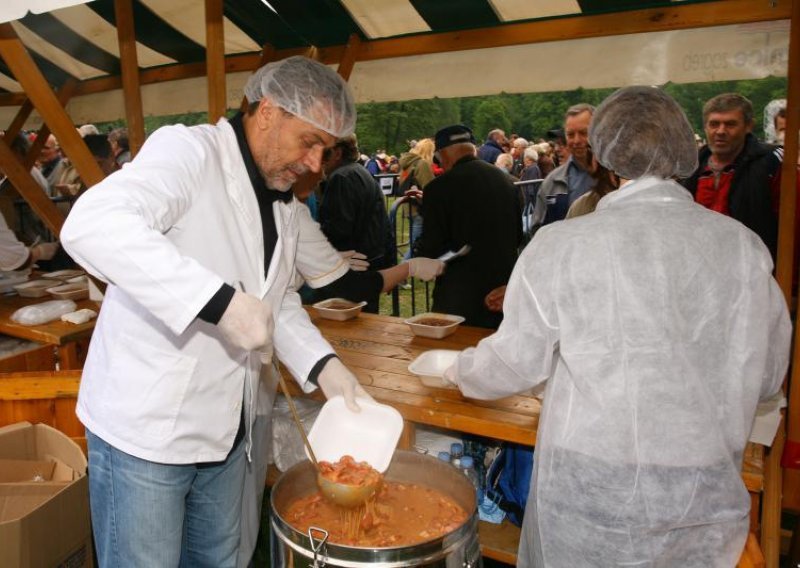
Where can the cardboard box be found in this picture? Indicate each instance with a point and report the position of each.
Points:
(44, 499)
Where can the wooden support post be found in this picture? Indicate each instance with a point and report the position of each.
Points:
(64, 94)
(27, 187)
(33, 82)
(215, 61)
(267, 55)
(312, 52)
(349, 56)
(771, 501)
(129, 61)
(19, 120)
(786, 262)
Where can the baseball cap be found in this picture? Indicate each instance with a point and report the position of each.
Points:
(454, 134)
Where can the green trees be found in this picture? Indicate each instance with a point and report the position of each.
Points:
(391, 125)
(490, 113)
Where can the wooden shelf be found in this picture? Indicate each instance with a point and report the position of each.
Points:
(499, 542)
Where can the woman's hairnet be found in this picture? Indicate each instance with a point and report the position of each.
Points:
(770, 111)
(641, 131)
(307, 89)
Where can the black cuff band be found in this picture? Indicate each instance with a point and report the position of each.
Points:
(216, 306)
(313, 376)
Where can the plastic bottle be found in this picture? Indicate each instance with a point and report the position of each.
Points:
(468, 469)
(456, 452)
(444, 456)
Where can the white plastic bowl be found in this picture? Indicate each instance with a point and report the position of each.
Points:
(65, 274)
(74, 291)
(326, 309)
(35, 288)
(370, 435)
(418, 327)
(431, 365)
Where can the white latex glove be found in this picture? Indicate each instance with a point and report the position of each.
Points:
(44, 251)
(247, 324)
(336, 379)
(358, 261)
(451, 374)
(425, 268)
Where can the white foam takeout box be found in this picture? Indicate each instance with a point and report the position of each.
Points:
(431, 365)
(370, 435)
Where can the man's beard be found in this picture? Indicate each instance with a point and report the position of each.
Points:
(280, 181)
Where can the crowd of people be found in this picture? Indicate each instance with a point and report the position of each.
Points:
(644, 303)
(24, 239)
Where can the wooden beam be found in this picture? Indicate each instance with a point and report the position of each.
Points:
(215, 61)
(64, 94)
(18, 122)
(13, 99)
(349, 56)
(27, 187)
(267, 55)
(667, 18)
(21, 64)
(129, 64)
(787, 261)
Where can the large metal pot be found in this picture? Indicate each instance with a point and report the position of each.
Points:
(457, 549)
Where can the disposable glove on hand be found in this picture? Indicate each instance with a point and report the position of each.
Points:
(451, 374)
(44, 251)
(425, 268)
(336, 379)
(357, 260)
(247, 323)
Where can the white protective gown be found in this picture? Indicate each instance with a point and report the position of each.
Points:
(658, 327)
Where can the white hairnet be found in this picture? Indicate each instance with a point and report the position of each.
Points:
(641, 131)
(770, 111)
(307, 89)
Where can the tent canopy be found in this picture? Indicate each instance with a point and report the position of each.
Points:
(407, 48)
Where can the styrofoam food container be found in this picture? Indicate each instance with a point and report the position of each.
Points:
(325, 310)
(434, 331)
(35, 288)
(64, 274)
(74, 291)
(431, 365)
(370, 435)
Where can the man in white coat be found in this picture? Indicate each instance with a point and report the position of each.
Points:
(197, 240)
(657, 327)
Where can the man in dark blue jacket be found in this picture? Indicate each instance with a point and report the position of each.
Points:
(493, 146)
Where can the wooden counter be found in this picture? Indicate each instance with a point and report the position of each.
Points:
(378, 350)
(64, 336)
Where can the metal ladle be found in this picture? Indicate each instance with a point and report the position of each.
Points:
(341, 494)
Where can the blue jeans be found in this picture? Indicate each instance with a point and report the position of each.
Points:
(161, 515)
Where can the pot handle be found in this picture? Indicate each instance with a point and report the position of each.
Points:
(316, 545)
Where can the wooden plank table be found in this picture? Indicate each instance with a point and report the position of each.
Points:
(378, 349)
(63, 336)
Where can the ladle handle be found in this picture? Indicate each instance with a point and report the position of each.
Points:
(299, 424)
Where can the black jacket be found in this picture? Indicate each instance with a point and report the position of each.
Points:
(750, 197)
(353, 216)
(477, 204)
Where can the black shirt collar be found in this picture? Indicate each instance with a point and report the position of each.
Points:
(259, 185)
